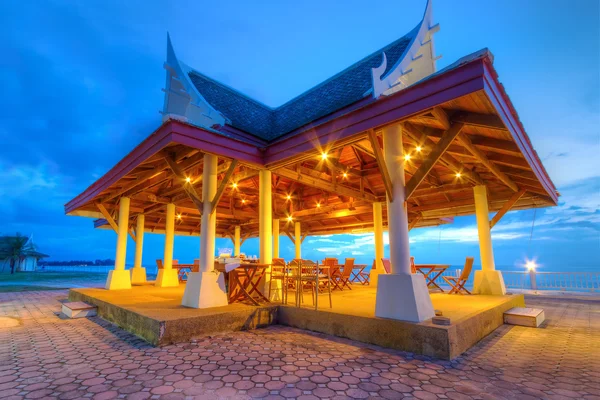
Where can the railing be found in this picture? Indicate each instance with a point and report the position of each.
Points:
(532, 280)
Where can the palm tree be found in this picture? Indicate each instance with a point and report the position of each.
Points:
(15, 248)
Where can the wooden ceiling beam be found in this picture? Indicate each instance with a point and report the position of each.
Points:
(436, 153)
(466, 142)
(506, 207)
(304, 177)
(480, 120)
(187, 187)
(222, 186)
(385, 175)
(111, 220)
(448, 160)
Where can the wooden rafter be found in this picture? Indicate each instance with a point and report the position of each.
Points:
(506, 207)
(385, 175)
(480, 120)
(290, 236)
(414, 222)
(222, 186)
(436, 153)
(111, 220)
(302, 175)
(465, 141)
(187, 187)
(448, 160)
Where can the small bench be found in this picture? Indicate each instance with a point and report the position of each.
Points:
(532, 317)
(78, 309)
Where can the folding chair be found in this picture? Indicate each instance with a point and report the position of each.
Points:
(458, 283)
(343, 279)
(279, 271)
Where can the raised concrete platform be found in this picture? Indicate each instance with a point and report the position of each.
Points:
(156, 315)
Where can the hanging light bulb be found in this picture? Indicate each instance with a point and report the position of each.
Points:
(178, 216)
(289, 218)
(458, 174)
(318, 205)
(407, 157)
(243, 201)
(188, 179)
(418, 149)
(324, 156)
(234, 185)
(288, 197)
(345, 175)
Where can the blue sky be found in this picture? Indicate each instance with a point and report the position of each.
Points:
(81, 86)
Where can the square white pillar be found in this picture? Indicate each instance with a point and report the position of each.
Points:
(138, 273)
(487, 280)
(400, 295)
(119, 278)
(167, 276)
(206, 288)
(378, 242)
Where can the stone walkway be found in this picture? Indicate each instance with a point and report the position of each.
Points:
(43, 356)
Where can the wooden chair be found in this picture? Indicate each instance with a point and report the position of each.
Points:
(366, 276)
(458, 283)
(343, 277)
(387, 265)
(413, 268)
(316, 277)
(279, 272)
(334, 268)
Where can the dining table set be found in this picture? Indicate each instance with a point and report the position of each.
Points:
(244, 278)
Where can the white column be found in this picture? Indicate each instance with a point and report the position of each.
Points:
(378, 239)
(265, 218)
(400, 295)
(205, 289)
(298, 238)
(208, 227)
(488, 280)
(236, 241)
(119, 278)
(396, 210)
(167, 277)
(138, 273)
(276, 238)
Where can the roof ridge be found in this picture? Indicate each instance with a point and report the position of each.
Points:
(381, 50)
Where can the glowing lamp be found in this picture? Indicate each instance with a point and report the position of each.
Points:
(324, 156)
(188, 179)
(289, 218)
(234, 185)
(407, 157)
(418, 149)
(345, 175)
(243, 201)
(288, 197)
(530, 265)
(178, 216)
(458, 174)
(318, 205)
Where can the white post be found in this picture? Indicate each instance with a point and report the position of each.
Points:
(168, 277)
(400, 295)
(119, 278)
(265, 231)
(138, 273)
(298, 238)
(206, 288)
(488, 280)
(265, 211)
(236, 241)
(378, 239)
(276, 238)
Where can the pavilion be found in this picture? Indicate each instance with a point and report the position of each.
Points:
(388, 143)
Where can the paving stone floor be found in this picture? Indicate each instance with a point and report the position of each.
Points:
(43, 356)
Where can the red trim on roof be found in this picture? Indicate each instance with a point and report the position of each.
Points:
(497, 95)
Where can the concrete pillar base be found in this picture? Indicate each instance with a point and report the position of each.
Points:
(167, 278)
(374, 277)
(403, 297)
(489, 282)
(118, 279)
(138, 275)
(205, 290)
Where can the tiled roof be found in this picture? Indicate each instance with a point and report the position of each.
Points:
(341, 90)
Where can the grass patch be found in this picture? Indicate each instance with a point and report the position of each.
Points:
(26, 288)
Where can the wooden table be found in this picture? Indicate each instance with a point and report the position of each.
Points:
(431, 273)
(183, 270)
(244, 282)
(357, 275)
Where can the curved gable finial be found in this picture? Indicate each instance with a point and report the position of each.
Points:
(417, 62)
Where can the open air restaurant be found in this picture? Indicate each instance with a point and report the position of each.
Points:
(390, 144)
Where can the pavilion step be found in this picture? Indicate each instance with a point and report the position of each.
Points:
(532, 317)
(78, 309)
